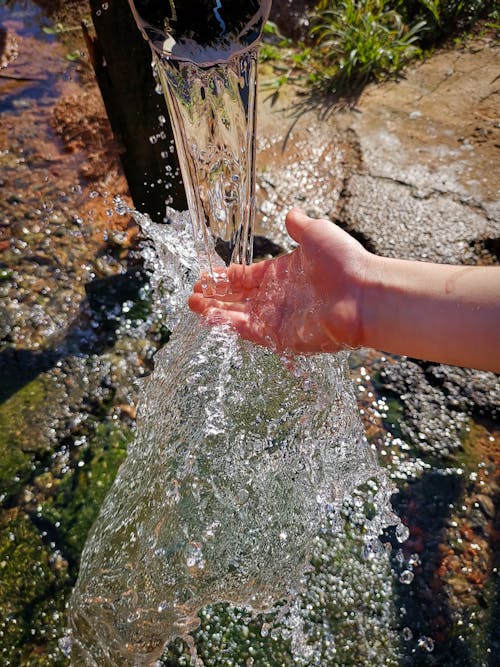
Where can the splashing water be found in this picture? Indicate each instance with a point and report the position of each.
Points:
(205, 55)
(241, 455)
(205, 32)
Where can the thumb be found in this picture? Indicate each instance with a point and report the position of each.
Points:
(296, 224)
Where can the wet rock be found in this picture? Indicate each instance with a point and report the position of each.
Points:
(467, 389)
(420, 194)
(265, 248)
(34, 582)
(431, 428)
(9, 47)
(29, 420)
(79, 491)
(486, 505)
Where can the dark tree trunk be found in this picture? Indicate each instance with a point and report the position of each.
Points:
(122, 62)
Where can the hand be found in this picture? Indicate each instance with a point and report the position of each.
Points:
(307, 301)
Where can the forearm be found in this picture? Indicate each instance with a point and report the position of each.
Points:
(447, 314)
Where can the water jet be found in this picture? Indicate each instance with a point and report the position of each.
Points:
(242, 456)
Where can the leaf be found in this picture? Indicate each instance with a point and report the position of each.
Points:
(433, 7)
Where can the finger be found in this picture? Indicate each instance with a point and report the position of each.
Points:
(296, 223)
(247, 326)
(197, 303)
(218, 277)
(201, 304)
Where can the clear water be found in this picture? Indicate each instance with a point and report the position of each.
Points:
(242, 457)
(213, 116)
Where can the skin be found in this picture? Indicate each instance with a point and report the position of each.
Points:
(330, 293)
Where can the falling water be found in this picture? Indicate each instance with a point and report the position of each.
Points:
(242, 457)
(205, 54)
(213, 112)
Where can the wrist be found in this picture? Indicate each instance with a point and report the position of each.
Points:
(371, 297)
(346, 318)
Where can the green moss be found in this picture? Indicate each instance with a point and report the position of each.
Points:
(469, 457)
(23, 424)
(81, 491)
(33, 582)
(6, 274)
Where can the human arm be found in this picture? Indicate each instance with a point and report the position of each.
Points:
(331, 293)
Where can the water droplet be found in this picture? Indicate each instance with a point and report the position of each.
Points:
(402, 533)
(414, 560)
(427, 643)
(373, 549)
(65, 645)
(121, 207)
(406, 577)
(194, 557)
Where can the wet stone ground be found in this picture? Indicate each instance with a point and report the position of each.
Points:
(412, 171)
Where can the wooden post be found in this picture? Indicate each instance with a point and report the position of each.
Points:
(122, 63)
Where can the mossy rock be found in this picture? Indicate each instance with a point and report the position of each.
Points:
(81, 491)
(33, 583)
(36, 574)
(25, 423)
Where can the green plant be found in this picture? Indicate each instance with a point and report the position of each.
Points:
(274, 45)
(359, 39)
(268, 52)
(445, 18)
(60, 28)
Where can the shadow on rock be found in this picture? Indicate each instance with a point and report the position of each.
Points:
(424, 506)
(93, 330)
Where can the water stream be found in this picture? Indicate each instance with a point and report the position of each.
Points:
(214, 120)
(242, 457)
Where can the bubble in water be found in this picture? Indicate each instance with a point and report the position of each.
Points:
(407, 634)
(406, 577)
(402, 533)
(426, 643)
